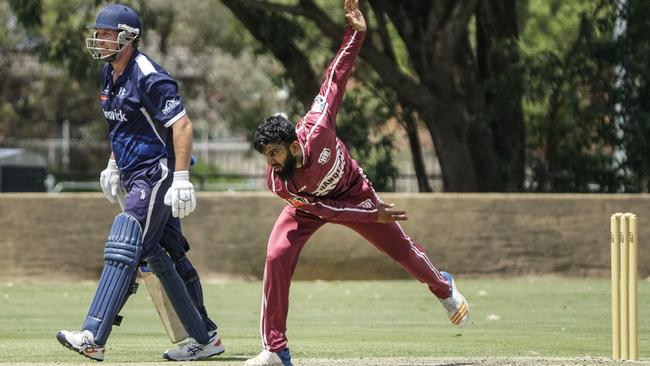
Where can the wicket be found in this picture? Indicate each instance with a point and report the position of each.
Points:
(624, 247)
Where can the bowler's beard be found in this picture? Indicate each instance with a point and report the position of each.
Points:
(288, 169)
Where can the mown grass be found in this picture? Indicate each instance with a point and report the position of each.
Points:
(519, 317)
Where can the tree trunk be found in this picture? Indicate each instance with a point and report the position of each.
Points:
(411, 127)
(448, 125)
(436, 37)
(277, 39)
(498, 57)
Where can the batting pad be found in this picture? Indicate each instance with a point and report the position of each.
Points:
(163, 267)
(193, 284)
(121, 257)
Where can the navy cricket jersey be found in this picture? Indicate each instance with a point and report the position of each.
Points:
(139, 107)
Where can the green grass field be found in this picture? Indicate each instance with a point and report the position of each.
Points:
(514, 318)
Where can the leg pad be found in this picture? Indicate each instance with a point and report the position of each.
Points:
(163, 267)
(121, 257)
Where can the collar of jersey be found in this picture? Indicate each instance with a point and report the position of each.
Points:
(126, 73)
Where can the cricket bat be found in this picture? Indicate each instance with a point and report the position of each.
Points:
(166, 312)
(170, 321)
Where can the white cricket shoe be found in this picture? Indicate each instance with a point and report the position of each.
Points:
(456, 305)
(82, 342)
(268, 358)
(193, 350)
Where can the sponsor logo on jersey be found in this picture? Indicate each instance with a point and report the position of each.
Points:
(115, 115)
(170, 105)
(333, 177)
(324, 156)
(319, 104)
(121, 93)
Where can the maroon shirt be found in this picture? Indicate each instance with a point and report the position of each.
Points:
(330, 184)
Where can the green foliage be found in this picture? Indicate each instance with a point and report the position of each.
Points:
(225, 94)
(357, 126)
(203, 25)
(585, 91)
(209, 177)
(205, 168)
(362, 112)
(551, 24)
(279, 30)
(503, 112)
(28, 11)
(226, 87)
(58, 29)
(36, 98)
(635, 94)
(569, 105)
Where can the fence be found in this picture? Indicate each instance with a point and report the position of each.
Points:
(241, 169)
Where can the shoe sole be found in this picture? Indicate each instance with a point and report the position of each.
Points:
(169, 358)
(64, 341)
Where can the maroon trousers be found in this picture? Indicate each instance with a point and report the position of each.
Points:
(290, 234)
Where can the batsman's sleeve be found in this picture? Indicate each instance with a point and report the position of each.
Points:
(336, 210)
(327, 103)
(161, 100)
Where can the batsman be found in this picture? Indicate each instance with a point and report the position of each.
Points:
(310, 168)
(148, 171)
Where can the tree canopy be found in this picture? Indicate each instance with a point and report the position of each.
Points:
(516, 95)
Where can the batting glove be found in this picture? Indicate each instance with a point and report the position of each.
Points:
(109, 179)
(180, 196)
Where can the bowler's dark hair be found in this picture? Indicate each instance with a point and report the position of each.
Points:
(274, 130)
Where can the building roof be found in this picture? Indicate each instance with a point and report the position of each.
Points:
(21, 157)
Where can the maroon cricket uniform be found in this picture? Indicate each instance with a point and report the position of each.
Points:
(329, 187)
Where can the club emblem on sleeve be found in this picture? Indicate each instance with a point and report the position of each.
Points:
(324, 156)
(170, 105)
(319, 104)
(297, 201)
